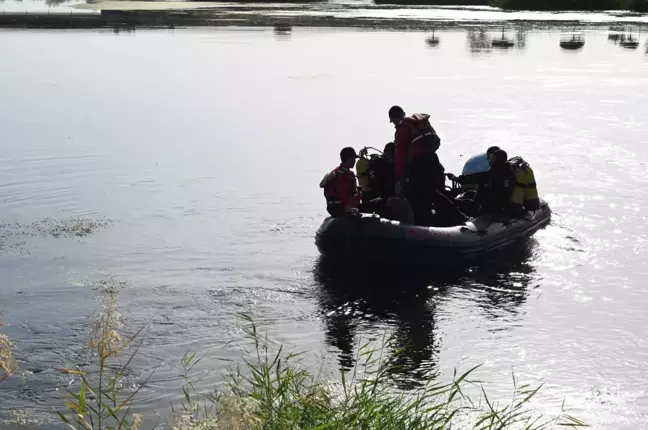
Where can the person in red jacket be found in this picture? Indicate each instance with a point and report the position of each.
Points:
(414, 137)
(341, 187)
(419, 175)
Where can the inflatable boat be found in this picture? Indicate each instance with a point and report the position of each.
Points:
(369, 238)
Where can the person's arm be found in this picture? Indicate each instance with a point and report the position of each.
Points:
(475, 178)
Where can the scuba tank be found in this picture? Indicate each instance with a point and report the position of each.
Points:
(362, 170)
(370, 171)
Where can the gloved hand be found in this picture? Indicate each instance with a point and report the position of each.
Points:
(451, 176)
(352, 213)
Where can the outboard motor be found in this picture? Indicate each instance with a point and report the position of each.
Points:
(475, 164)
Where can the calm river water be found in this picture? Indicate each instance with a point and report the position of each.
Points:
(191, 160)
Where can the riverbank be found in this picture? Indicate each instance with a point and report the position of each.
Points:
(159, 15)
(534, 5)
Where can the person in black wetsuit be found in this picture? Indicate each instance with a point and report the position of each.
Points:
(494, 196)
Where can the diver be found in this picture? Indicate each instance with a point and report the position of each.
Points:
(341, 187)
(466, 197)
(505, 187)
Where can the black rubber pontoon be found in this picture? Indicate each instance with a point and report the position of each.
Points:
(378, 240)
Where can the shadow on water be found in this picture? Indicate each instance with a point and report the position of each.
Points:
(353, 300)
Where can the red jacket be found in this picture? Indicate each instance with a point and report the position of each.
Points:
(341, 187)
(408, 132)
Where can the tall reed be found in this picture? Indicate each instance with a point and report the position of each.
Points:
(272, 389)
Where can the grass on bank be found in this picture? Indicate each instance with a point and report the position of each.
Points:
(274, 390)
(7, 362)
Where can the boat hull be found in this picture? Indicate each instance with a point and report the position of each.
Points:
(378, 240)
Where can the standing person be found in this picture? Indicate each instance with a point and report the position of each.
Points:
(341, 187)
(418, 173)
(387, 180)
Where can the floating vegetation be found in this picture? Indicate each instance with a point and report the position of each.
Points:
(107, 284)
(12, 234)
(8, 241)
(29, 419)
(70, 227)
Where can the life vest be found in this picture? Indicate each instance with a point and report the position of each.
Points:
(416, 145)
(525, 191)
(339, 185)
(424, 137)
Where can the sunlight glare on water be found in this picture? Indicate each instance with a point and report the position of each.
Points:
(181, 168)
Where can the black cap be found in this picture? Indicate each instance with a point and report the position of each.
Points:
(492, 149)
(347, 153)
(500, 157)
(396, 112)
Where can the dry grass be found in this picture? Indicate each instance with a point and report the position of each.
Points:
(101, 402)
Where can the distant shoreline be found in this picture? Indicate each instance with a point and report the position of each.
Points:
(253, 16)
(534, 5)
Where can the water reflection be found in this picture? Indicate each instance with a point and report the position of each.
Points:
(126, 28)
(629, 42)
(354, 300)
(503, 42)
(479, 41)
(573, 42)
(282, 31)
(432, 40)
(520, 38)
(623, 37)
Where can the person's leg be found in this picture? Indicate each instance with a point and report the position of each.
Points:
(418, 190)
(418, 205)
